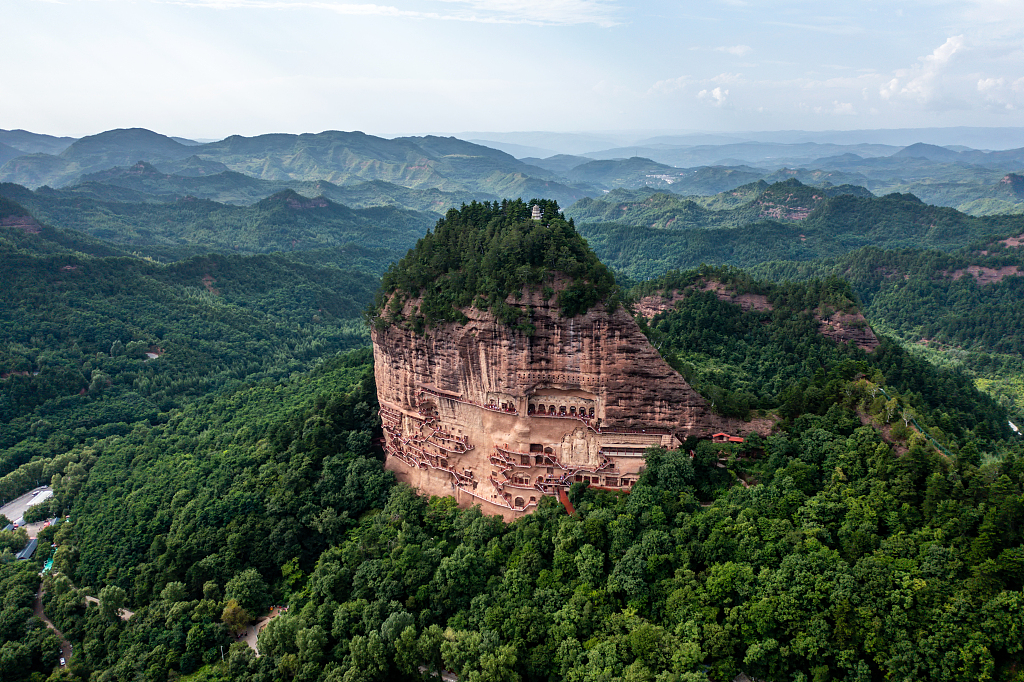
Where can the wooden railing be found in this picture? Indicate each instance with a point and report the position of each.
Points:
(492, 408)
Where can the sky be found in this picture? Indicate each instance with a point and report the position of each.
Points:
(205, 69)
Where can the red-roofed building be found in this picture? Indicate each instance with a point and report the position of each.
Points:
(723, 437)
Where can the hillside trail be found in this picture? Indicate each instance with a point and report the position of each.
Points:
(65, 646)
(252, 633)
(125, 614)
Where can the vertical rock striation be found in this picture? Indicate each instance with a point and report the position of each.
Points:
(486, 413)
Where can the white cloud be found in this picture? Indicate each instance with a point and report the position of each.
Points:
(727, 78)
(837, 109)
(670, 85)
(600, 12)
(997, 94)
(736, 50)
(664, 87)
(551, 12)
(922, 82)
(716, 97)
(987, 84)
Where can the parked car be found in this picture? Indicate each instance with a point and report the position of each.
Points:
(62, 661)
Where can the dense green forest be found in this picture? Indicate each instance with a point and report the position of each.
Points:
(226, 496)
(846, 557)
(925, 294)
(91, 346)
(283, 222)
(838, 225)
(776, 359)
(208, 425)
(963, 309)
(483, 253)
(27, 646)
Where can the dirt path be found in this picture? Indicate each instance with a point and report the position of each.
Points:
(65, 647)
(124, 613)
(253, 631)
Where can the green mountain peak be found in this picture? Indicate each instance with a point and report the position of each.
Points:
(482, 253)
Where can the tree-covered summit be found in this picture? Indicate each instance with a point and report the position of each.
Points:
(482, 253)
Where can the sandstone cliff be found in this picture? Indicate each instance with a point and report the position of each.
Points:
(600, 353)
(649, 306)
(847, 327)
(502, 375)
(486, 413)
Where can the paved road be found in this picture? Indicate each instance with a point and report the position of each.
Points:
(16, 510)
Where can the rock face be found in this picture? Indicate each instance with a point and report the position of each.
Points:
(26, 223)
(840, 327)
(649, 306)
(494, 417)
(985, 275)
(845, 327)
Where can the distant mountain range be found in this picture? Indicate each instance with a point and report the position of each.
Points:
(341, 158)
(34, 143)
(144, 182)
(435, 173)
(785, 201)
(643, 234)
(583, 143)
(283, 222)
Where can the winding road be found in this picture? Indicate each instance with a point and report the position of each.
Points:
(65, 647)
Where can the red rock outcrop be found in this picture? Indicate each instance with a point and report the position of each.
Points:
(987, 275)
(1013, 242)
(846, 327)
(25, 223)
(649, 306)
(840, 327)
(490, 415)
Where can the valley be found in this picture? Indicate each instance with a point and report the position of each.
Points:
(679, 411)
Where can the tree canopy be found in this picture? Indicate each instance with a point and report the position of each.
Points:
(483, 253)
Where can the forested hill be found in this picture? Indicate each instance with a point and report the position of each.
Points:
(90, 346)
(21, 231)
(787, 200)
(838, 225)
(747, 344)
(964, 308)
(286, 221)
(144, 182)
(966, 299)
(483, 253)
(844, 543)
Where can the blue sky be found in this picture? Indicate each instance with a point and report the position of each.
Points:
(209, 68)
